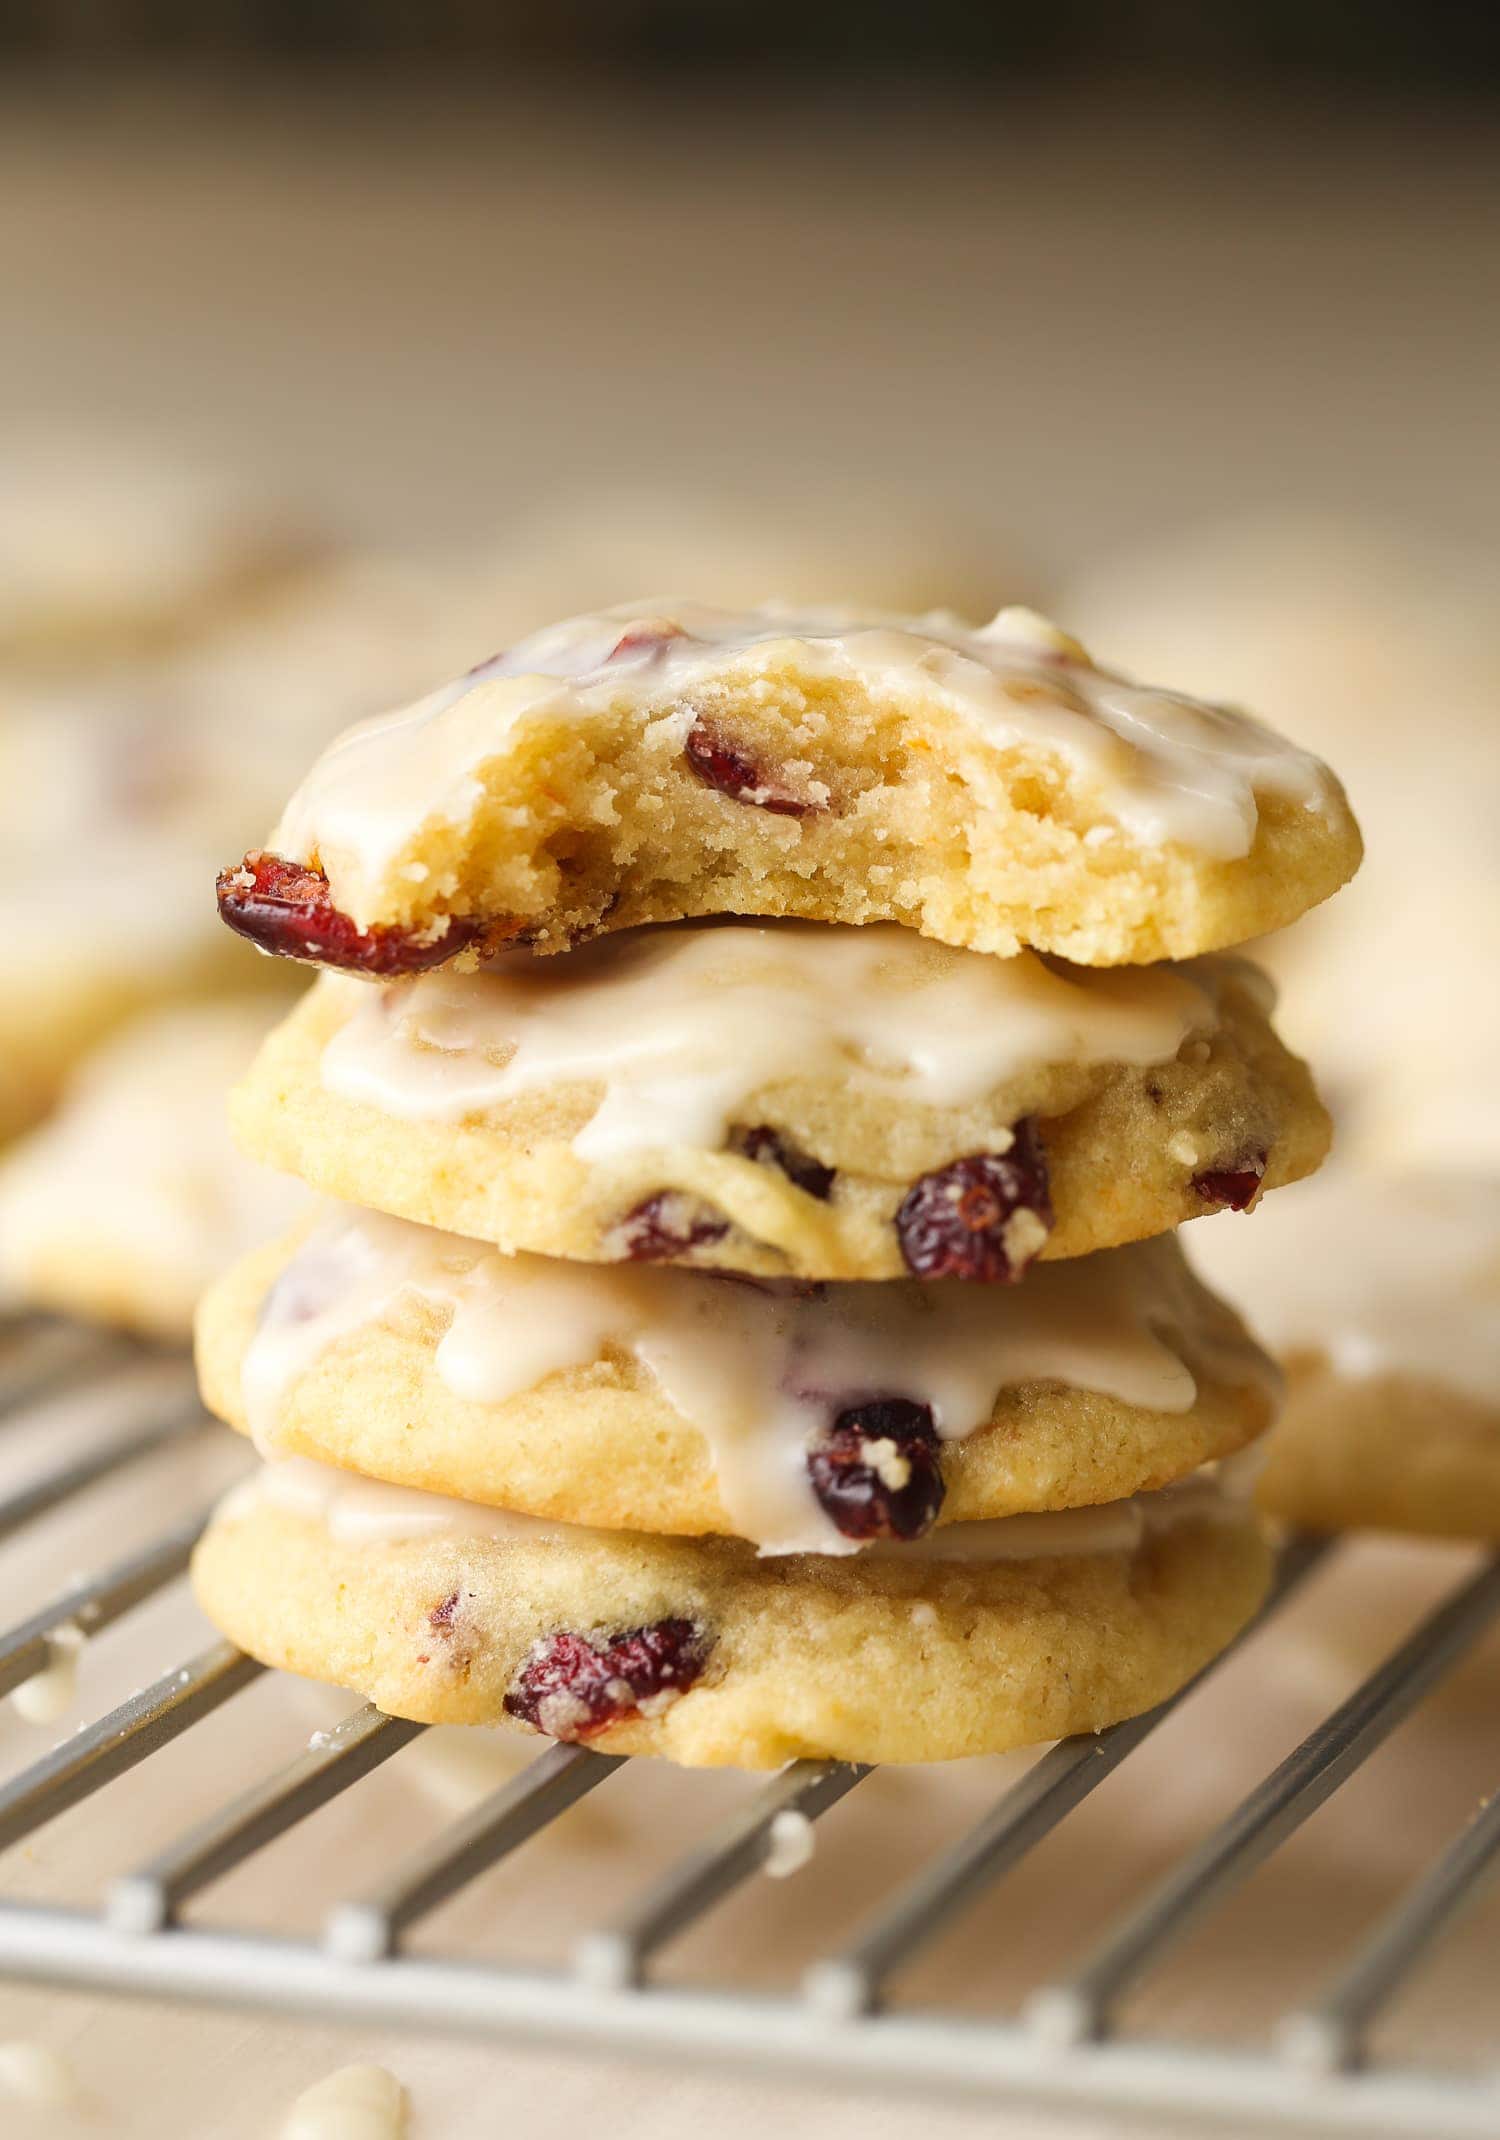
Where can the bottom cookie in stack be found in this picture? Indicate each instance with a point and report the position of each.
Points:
(733, 1523)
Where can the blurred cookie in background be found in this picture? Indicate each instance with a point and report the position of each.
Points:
(106, 831)
(866, 547)
(126, 1205)
(1407, 1012)
(1381, 1296)
(1354, 636)
(1377, 648)
(115, 543)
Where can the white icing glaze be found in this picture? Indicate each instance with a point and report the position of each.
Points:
(681, 1025)
(48, 1694)
(1164, 767)
(754, 1368)
(355, 2103)
(367, 1512)
(1380, 1274)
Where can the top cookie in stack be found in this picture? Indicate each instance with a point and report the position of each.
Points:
(995, 1511)
(994, 789)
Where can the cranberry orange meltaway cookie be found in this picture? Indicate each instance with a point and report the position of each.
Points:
(994, 789)
(1382, 1296)
(981, 1638)
(799, 1417)
(785, 1098)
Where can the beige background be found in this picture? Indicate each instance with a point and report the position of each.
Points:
(1065, 323)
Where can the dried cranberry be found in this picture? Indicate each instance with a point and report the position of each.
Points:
(669, 1224)
(722, 765)
(646, 638)
(284, 907)
(770, 1149)
(876, 1471)
(571, 1686)
(984, 1217)
(441, 1616)
(1233, 1188)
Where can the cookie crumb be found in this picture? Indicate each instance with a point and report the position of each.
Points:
(44, 1697)
(355, 2103)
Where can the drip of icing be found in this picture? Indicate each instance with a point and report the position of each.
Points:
(756, 1369)
(1165, 767)
(355, 2103)
(680, 1026)
(48, 1694)
(1377, 1274)
(367, 1512)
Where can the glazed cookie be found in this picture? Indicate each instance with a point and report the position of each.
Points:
(993, 789)
(124, 1206)
(1382, 1295)
(801, 1418)
(785, 1098)
(1037, 1627)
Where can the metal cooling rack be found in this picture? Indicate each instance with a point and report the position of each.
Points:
(1317, 2073)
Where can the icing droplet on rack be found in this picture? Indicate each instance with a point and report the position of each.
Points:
(48, 1694)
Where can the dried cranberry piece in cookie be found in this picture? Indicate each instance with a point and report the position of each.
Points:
(983, 1217)
(647, 636)
(669, 1224)
(770, 1149)
(284, 908)
(725, 766)
(1232, 1188)
(572, 1686)
(876, 1471)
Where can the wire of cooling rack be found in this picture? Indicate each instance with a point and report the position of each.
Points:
(1318, 2071)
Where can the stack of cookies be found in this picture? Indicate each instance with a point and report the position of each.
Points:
(742, 1338)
